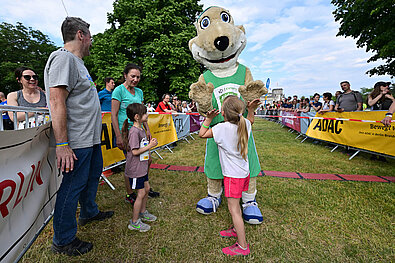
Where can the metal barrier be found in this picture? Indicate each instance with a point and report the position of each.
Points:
(41, 116)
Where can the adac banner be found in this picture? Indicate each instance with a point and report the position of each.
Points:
(111, 153)
(29, 181)
(162, 128)
(181, 122)
(371, 136)
(293, 123)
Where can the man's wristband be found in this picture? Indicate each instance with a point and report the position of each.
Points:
(204, 126)
(62, 144)
(388, 114)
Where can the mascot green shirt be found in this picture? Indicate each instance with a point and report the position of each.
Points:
(224, 87)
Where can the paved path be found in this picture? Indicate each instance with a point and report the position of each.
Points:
(294, 175)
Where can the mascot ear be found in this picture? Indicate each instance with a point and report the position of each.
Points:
(241, 28)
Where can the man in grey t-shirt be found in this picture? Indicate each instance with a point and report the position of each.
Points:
(349, 100)
(76, 121)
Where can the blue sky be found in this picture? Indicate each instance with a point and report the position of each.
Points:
(291, 42)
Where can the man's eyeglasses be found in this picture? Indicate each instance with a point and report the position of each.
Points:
(28, 77)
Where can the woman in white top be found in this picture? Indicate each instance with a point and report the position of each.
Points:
(328, 103)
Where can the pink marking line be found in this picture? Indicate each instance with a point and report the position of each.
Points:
(363, 178)
(294, 175)
(320, 176)
(182, 168)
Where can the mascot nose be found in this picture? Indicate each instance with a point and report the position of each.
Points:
(221, 43)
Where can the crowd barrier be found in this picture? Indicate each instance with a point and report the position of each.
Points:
(29, 178)
(360, 130)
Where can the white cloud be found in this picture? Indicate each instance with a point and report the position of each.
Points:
(292, 42)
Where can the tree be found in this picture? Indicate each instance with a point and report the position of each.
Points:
(153, 34)
(372, 23)
(22, 46)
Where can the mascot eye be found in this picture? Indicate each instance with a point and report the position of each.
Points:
(225, 17)
(205, 22)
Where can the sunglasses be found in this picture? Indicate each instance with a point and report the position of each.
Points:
(28, 77)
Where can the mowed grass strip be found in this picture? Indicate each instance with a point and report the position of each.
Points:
(304, 220)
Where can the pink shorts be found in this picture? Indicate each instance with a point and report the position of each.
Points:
(235, 186)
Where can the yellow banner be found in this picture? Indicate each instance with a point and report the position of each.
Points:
(371, 136)
(111, 153)
(162, 128)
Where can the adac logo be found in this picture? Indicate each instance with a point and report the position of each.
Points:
(332, 126)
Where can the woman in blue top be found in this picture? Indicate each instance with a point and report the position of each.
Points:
(123, 95)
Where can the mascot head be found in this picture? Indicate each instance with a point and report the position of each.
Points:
(219, 42)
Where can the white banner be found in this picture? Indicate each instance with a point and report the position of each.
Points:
(28, 184)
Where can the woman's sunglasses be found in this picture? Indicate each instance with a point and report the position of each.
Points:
(28, 77)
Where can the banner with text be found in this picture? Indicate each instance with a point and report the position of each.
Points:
(28, 184)
(162, 128)
(111, 153)
(292, 123)
(304, 123)
(196, 122)
(181, 122)
(372, 136)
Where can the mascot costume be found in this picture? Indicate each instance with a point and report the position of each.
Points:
(217, 46)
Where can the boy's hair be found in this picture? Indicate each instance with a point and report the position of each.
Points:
(233, 108)
(70, 27)
(131, 111)
(107, 80)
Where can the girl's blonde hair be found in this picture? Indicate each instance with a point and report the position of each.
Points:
(233, 109)
(131, 111)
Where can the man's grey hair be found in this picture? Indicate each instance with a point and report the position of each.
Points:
(70, 27)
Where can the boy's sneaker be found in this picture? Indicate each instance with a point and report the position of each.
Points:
(140, 226)
(76, 248)
(228, 232)
(236, 250)
(152, 193)
(147, 216)
(131, 198)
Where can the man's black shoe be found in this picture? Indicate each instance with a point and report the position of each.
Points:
(152, 193)
(99, 217)
(76, 248)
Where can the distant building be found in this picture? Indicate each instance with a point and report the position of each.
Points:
(276, 94)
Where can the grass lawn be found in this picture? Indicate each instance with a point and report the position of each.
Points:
(304, 220)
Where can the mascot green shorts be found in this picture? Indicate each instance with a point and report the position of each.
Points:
(212, 166)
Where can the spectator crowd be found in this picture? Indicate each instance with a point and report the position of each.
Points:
(344, 101)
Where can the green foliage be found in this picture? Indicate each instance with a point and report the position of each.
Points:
(153, 34)
(372, 23)
(22, 46)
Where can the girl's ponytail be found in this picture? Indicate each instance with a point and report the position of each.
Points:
(233, 108)
(242, 144)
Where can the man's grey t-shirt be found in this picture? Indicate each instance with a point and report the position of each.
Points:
(84, 121)
(349, 101)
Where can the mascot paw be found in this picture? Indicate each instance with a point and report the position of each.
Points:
(208, 205)
(253, 90)
(251, 213)
(201, 93)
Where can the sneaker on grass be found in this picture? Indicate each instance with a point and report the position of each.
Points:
(147, 216)
(139, 226)
(77, 247)
(228, 232)
(236, 250)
